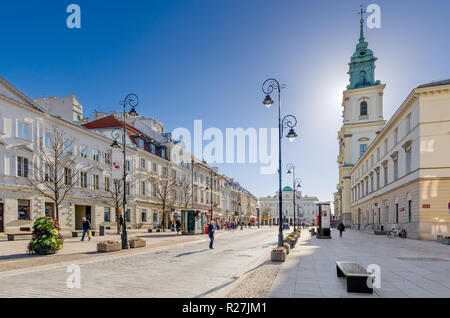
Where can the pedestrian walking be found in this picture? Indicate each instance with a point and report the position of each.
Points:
(211, 234)
(120, 222)
(178, 226)
(341, 228)
(86, 228)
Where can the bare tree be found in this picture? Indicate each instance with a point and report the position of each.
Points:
(112, 193)
(186, 194)
(55, 173)
(163, 189)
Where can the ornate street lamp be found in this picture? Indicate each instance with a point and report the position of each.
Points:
(132, 101)
(288, 121)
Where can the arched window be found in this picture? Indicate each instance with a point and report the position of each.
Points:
(363, 108)
(396, 210)
(409, 202)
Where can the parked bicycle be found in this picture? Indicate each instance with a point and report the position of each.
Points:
(396, 233)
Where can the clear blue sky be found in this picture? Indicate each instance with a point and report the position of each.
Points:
(207, 59)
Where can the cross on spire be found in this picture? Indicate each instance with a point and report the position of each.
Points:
(361, 12)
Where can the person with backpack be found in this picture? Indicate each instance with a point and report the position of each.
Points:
(178, 226)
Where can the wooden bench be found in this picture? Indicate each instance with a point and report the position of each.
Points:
(75, 233)
(357, 277)
(11, 236)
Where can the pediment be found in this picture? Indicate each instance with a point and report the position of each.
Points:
(23, 148)
(9, 91)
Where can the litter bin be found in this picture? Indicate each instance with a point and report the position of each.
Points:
(102, 230)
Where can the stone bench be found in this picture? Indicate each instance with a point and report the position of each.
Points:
(357, 277)
(11, 236)
(75, 233)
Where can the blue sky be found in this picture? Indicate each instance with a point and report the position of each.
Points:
(207, 59)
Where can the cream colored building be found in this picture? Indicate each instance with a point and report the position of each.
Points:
(403, 179)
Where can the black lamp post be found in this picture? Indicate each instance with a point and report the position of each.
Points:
(289, 121)
(211, 186)
(132, 101)
(291, 170)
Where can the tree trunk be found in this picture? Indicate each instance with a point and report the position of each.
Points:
(117, 219)
(57, 211)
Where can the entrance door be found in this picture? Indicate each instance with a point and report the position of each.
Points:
(2, 227)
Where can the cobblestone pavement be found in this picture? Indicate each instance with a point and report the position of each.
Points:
(409, 268)
(188, 269)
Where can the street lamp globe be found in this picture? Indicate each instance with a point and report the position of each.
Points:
(268, 101)
(115, 144)
(133, 112)
(291, 135)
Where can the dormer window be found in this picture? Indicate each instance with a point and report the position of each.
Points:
(363, 108)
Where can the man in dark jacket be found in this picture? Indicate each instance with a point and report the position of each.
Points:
(211, 234)
(178, 226)
(341, 228)
(86, 228)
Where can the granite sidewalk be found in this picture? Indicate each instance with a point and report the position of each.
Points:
(409, 268)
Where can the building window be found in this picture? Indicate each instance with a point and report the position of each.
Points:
(144, 215)
(48, 140)
(128, 165)
(385, 172)
(83, 180)
(22, 167)
(96, 180)
(83, 151)
(408, 123)
(152, 148)
(95, 155)
(67, 176)
(385, 146)
(128, 188)
(363, 108)
(396, 212)
(67, 146)
(142, 163)
(408, 159)
(155, 168)
(107, 157)
(128, 215)
(378, 179)
(107, 184)
(155, 216)
(49, 208)
(23, 209)
(107, 215)
(362, 149)
(143, 187)
(395, 136)
(23, 130)
(409, 211)
(395, 169)
(49, 174)
(163, 152)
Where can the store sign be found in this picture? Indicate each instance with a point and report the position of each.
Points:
(117, 164)
(426, 206)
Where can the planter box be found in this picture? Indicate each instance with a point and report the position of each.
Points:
(103, 247)
(291, 243)
(278, 256)
(138, 243)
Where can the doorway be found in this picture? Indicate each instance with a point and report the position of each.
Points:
(2, 227)
(80, 212)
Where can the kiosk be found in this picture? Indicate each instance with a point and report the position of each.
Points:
(323, 215)
(192, 222)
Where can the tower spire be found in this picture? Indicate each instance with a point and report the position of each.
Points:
(361, 32)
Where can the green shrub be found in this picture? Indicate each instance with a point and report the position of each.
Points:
(46, 237)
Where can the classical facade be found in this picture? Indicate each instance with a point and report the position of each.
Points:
(362, 120)
(394, 174)
(27, 131)
(403, 179)
(270, 205)
(308, 209)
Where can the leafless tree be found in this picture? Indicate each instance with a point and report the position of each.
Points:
(164, 187)
(55, 173)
